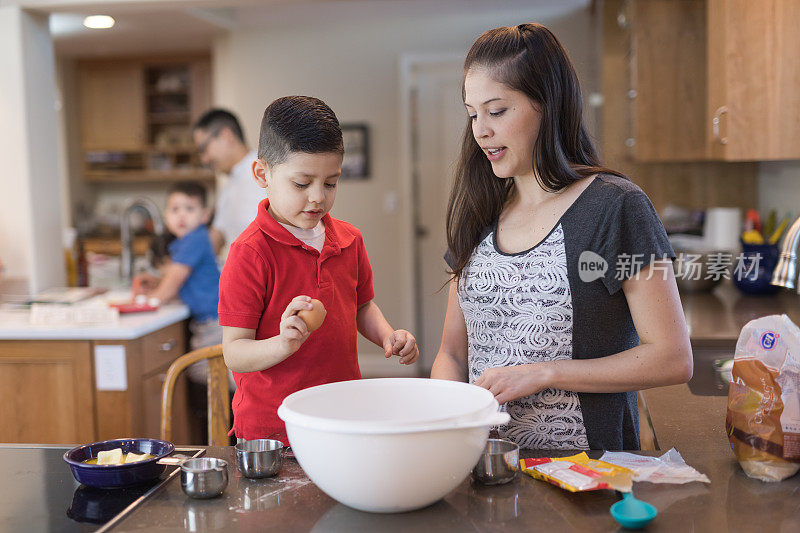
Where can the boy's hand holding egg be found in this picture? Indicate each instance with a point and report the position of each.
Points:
(315, 316)
(302, 316)
(401, 343)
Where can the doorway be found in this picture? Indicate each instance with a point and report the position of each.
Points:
(436, 119)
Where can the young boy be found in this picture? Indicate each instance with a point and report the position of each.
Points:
(192, 272)
(292, 252)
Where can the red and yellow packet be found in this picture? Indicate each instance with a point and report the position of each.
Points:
(579, 473)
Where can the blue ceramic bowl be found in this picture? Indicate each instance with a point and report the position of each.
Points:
(752, 280)
(116, 476)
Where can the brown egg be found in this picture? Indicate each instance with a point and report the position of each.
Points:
(313, 317)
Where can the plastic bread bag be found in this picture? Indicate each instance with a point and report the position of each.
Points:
(763, 419)
(579, 473)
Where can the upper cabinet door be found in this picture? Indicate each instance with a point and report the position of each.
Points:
(200, 95)
(668, 70)
(715, 80)
(112, 106)
(754, 80)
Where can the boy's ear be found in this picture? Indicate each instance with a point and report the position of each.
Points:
(260, 173)
(206, 215)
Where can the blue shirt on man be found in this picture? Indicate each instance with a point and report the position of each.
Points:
(200, 291)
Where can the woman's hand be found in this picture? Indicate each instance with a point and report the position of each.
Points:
(401, 343)
(513, 382)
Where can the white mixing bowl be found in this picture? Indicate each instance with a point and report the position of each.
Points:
(389, 445)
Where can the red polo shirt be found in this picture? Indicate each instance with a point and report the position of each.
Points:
(266, 268)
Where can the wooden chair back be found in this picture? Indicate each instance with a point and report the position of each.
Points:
(218, 393)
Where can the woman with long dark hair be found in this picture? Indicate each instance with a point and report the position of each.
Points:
(562, 301)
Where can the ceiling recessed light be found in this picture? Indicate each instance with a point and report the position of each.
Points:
(98, 22)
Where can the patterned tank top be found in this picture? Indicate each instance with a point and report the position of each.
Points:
(518, 310)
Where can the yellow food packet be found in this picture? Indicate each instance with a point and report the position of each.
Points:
(579, 473)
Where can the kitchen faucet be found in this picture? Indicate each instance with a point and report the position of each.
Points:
(126, 264)
(785, 274)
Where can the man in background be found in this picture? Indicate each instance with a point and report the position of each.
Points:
(220, 143)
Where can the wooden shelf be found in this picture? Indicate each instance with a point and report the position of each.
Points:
(169, 117)
(152, 91)
(171, 149)
(146, 176)
(148, 148)
(132, 87)
(113, 246)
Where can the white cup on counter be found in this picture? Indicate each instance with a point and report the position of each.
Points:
(722, 228)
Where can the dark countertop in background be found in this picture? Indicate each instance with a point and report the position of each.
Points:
(715, 318)
(687, 422)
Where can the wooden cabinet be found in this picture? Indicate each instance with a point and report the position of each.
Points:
(715, 80)
(136, 116)
(692, 184)
(754, 82)
(49, 394)
(46, 392)
(112, 105)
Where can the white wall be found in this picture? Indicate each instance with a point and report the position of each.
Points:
(779, 187)
(15, 198)
(30, 202)
(353, 67)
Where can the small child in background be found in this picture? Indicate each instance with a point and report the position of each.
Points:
(191, 272)
(294, 251)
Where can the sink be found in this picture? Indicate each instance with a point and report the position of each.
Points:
(706, 381)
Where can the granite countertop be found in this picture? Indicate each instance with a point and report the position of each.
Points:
(687, 422)
(291, 502)
(716, 317)
(693, 424)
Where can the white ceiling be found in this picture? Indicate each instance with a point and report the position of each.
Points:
(151, 27)
(132, 34)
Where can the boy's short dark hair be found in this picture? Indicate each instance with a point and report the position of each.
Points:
(214, 120)
(298, 124)
(192, 189)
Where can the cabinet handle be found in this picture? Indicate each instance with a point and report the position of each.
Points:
(715, 124)
(167, 346)
(623, 21)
